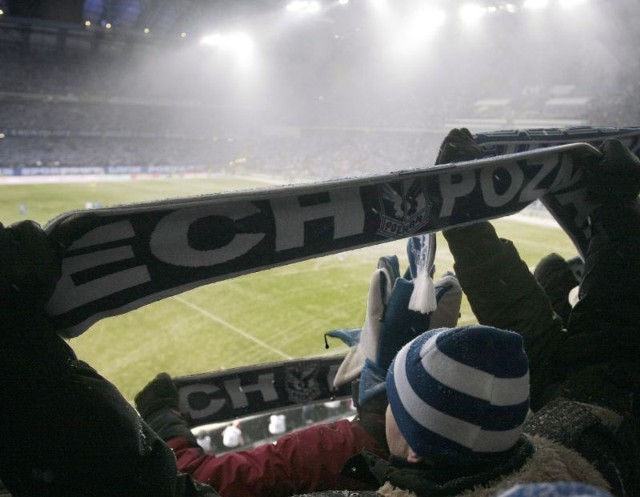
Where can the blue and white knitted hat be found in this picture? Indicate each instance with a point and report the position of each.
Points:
(555, 489)
(459, 394)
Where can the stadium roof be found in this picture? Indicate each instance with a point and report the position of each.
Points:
(163, 22)
(161, 16)
(134, 14)
(170, 16)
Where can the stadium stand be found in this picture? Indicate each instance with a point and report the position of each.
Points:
(83, 105)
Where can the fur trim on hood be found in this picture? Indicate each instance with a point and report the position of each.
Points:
(550, 462)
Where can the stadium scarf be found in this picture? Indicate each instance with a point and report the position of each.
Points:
(120, 258)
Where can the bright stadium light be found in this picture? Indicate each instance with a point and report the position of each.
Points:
(239, 45)
(471, 13)
(213, 40)
(343, 2)
(314, 7)
(296, 6)
(380, 6)
(419, 29)
(535, 4)
(233, 42)
(568, 4)
(431, 18)
(303, 7)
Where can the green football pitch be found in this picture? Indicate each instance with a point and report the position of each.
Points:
(267, 316)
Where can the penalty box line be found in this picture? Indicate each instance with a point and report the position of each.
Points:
(245, 334)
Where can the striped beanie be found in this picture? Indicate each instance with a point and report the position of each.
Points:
(460, 394)
(555, 489)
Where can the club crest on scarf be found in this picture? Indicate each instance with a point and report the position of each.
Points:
(303, 384)
(405, 208)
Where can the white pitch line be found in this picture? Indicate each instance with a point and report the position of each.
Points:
(232, 327)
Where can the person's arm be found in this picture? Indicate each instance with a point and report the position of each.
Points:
(503, 293)
(610, 289)
(305, 461)
(501, 290)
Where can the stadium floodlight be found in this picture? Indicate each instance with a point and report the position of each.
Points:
(108, 25)
(568, 4)
(419, 29)
(314, 7)
(303, 6)
(239, 45)
(87, 24)
(472, 12)
(213, 40)
(431, 18)
(1, 12)
(343, 2)
(296, 6)
(381, 6)
(234, 42)
(535, 4)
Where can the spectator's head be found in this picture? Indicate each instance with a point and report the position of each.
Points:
(458, 395)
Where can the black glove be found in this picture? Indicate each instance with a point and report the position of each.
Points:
(159, 394)
(615, 177)
(458, 146)
(371, 416)
(474, 242)
(29, 261)
(158, 405)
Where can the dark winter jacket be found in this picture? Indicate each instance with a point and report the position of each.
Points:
(597, 369)
(65, 431)
(595, 366)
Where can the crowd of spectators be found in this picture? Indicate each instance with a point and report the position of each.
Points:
(86, 110)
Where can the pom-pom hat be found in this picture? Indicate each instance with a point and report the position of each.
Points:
(460, 394)
(555, 489)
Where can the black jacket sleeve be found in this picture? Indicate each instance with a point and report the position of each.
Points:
(503, 293)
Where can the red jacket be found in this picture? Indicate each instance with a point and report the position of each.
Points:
(304, 461)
